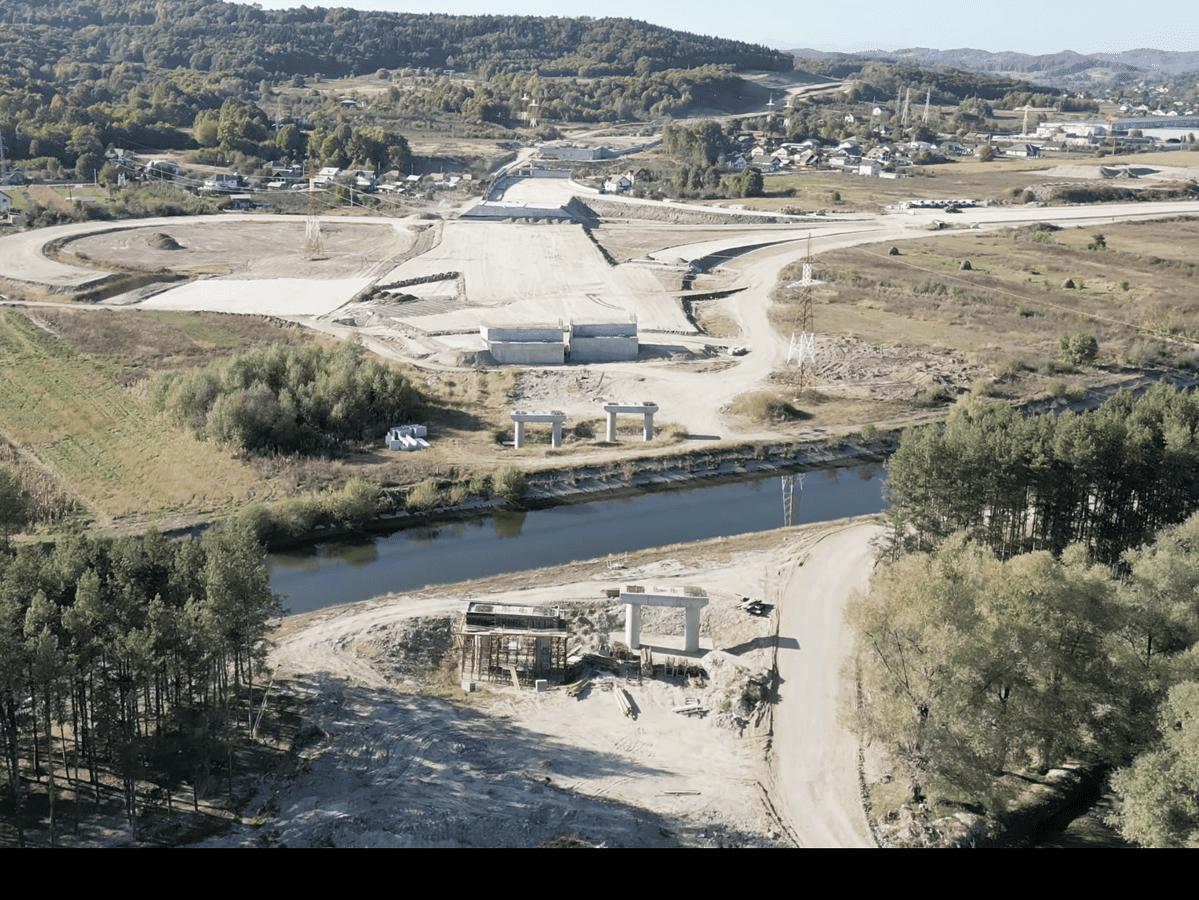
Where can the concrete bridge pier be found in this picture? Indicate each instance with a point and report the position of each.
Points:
(632, 625)
(554, 418)
(646, 410)
(690, 599)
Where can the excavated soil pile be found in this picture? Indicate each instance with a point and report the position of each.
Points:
(160, 241)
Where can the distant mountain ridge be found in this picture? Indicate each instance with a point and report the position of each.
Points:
(1062, 69)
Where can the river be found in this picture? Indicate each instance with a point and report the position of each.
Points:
(358, 568)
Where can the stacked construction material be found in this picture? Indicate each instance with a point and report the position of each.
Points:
(407, 438)
(623, 701)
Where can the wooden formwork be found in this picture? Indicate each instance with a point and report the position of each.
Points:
(495, 655)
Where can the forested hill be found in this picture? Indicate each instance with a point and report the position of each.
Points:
(1062, 69)
(211, 36)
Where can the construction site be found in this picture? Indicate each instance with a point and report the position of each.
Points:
(722, 727)
(618, 702)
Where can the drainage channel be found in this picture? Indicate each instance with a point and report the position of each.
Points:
(350, 569)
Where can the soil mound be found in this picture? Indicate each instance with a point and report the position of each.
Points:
(160, 241)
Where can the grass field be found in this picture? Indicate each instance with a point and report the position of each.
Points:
(70, 411)
(962, 177)
(18, 200)
(1136, 294)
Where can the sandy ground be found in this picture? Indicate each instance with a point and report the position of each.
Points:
(388, 767)
(534, 274)
(538, 274)
(816, 757)
(272, 297)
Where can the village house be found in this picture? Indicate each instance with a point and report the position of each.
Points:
(220, 183)
(326, 176)
(621, 184)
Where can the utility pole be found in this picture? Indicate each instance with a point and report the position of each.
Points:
(314, 244)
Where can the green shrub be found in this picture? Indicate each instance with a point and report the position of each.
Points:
(767, 408)
(1145, 353)
(298, 514)
(934, 396)
(357, 502)
(291, 401)
(508, 482)
(982, 387)
(1078, 348)
(425, 495)
(869, 432)
(256, 518)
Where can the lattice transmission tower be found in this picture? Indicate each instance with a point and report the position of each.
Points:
(803, 345)
(789, 507)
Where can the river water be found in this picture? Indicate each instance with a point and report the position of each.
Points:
(358, 568)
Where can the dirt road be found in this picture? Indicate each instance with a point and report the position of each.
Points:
(815, 756)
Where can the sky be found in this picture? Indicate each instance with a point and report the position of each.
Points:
(1027, 26)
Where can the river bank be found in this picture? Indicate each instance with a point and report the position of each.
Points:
(550, 487)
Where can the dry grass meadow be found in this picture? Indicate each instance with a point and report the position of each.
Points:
(1136, 295)
(70, 411)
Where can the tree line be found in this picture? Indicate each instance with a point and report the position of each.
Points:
(287, 400)
(1039, 603)
(131, 658)
(214, 36)
(972, 667)
(1107, 479)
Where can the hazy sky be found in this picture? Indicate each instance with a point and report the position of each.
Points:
(1030, 26)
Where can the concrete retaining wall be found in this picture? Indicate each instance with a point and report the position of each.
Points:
(521, 333)
(603, 329)
(498, 209)
(602, 349)
(529, 353)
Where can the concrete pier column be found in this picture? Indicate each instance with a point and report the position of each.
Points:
(691, 629)
(649, 425)
(556, 435)
(632, 626)
(520, 434)
(611, 437)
